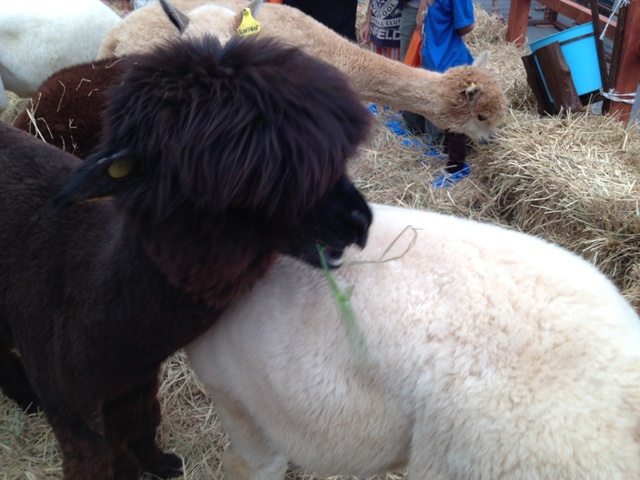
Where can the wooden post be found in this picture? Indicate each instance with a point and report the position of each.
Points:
(602, 61)
(518, 21)
(534, 79)
(519, 17)
(557, 76)
(617, 41)
(628, 75)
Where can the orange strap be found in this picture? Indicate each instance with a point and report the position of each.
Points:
(274, 1)
(413, 58)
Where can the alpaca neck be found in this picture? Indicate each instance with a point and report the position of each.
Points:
(213, 278)
(398, 85)
(208, 260)
(387, 82)
(377, 79)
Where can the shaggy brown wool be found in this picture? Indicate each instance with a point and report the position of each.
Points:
(67, 109)
(213, 173)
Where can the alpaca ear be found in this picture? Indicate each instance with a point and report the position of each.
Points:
(472, 92)
(98, 177)
(482, 60)
(179, 19)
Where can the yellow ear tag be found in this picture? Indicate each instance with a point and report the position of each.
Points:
(119, 168)
(249, 25)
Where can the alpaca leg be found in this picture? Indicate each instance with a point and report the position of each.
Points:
(423, 469)
(13, 378)
(249, 456)
(428, 457)
(132, 421)
(85, 454)
(237, 467)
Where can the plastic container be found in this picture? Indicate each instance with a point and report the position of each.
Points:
(578, 46)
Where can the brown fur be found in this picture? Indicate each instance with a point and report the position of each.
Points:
(439, 97)
(213, 172)
(68, 107)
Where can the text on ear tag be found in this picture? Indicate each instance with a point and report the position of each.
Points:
(249, 25)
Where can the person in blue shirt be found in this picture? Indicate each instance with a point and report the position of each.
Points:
(443, 47)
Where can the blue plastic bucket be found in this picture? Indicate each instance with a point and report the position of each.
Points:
(578, 45)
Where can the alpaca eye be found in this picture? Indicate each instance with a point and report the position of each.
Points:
(482, 118)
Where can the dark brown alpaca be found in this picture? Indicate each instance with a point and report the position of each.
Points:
(68, 106)
(217, 159)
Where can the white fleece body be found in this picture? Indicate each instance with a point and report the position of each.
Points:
(40, 37)
(491, 355)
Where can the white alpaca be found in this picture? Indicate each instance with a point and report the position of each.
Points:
(491, 355)
(464, 99)
(40, 37)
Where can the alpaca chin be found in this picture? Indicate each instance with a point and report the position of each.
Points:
(341, 219)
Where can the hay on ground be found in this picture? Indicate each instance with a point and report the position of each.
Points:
(15, 106)
(571, 180)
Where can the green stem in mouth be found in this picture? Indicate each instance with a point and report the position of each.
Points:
(342, 297)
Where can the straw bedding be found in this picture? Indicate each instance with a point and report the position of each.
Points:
(572, 180)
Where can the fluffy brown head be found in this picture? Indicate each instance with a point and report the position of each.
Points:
(476, 103)
(251, 124)
(222, 154)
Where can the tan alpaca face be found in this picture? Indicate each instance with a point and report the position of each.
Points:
(480, 103)
(479, 130)
(470, 101)
(486, 109)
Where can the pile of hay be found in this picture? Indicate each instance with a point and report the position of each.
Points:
(16, 105)
(570, 180)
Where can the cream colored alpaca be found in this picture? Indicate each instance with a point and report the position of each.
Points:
(40, 37)
(491, 355)
(464, 99)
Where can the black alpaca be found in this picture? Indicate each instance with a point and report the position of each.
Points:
(217, 159)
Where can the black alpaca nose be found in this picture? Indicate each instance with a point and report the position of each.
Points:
(361, 222)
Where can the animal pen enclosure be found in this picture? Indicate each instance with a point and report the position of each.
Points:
(570, 180)
(623, 29)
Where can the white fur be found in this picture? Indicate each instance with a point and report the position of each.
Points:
(214, 18)
(40, 37)
(492, 355)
